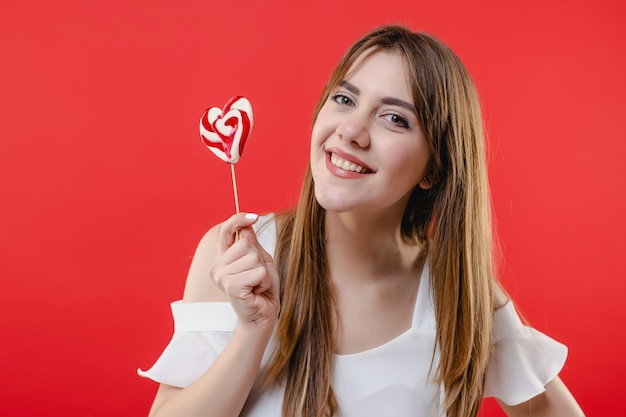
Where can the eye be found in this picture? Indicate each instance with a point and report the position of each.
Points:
(396, 120)
(342, 99)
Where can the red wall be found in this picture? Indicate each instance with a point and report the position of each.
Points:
(106, 187)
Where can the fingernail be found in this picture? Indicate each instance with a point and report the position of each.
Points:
(252, 216)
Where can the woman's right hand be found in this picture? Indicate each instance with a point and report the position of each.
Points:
(245, 273)
(238, 270)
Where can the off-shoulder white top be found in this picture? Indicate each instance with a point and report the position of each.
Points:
(391, 379)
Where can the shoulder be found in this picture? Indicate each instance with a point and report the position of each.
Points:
(199, 287)
(500, 297)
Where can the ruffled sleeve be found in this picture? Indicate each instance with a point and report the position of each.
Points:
(201, 331)
(524, 360)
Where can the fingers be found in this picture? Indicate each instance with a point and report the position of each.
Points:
(242, 277)
(243, 255)
(270, 280)
(245, 272)
(229, 228)
(241, 223)
(242, 263)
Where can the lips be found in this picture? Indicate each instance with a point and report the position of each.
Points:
(340, 161)
(347, 165)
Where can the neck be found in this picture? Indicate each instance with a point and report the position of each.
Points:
(368, 247)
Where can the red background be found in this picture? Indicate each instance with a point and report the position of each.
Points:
(106, 187)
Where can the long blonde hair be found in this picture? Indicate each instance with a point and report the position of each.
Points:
(452, 218)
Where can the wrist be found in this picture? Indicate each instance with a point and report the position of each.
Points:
(254, 334)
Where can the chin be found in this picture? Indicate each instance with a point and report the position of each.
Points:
(333, 201)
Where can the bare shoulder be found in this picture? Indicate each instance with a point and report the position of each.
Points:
(500, 296)
(199, 286)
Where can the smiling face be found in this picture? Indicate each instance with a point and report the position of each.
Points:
(368, 151)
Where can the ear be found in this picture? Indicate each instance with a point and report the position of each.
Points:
(425, 183)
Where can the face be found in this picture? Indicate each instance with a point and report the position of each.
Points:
(368, 151)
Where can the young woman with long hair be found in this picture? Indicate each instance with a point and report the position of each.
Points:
(376, 295)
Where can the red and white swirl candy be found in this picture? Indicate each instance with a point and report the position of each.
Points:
(225, 131)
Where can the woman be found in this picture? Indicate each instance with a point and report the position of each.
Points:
(376, 296)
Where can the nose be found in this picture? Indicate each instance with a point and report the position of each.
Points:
(354, 128)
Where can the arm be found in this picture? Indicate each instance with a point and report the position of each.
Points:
(239, 271)
(556, 401)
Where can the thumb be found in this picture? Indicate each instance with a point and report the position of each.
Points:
(229, 228)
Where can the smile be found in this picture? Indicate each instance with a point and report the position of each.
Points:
(347, 165)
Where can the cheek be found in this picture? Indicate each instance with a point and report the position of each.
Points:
(412, 163)
(316, 148)
(324, 126)
(319, 137)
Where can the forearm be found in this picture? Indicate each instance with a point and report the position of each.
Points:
(224, 388)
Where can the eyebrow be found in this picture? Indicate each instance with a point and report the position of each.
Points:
(385, 100)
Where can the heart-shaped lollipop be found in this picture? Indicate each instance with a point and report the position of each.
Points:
(225, 131)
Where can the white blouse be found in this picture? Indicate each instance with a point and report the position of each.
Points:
(394, 377)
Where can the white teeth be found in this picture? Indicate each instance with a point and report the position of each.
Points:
(346, 165)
